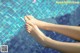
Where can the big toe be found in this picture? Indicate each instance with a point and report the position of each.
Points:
(26, 19)
(30, 17)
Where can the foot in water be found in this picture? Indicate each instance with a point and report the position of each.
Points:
(39, 23)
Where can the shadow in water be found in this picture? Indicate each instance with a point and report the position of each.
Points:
(22, 42)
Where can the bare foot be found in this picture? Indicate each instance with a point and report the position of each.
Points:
(39, 23)
(30, 24)
(36, 33)
(31, 28)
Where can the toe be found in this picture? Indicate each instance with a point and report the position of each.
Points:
(29, 28)
(26, 19)
(28, 31)
(29, 17)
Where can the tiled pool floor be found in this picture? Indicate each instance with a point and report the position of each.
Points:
(12, 25)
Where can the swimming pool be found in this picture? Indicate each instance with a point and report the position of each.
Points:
(12, 30)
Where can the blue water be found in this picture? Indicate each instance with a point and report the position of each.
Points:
(12, 25)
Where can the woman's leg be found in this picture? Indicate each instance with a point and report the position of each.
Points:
(71, 31)
(48, 42)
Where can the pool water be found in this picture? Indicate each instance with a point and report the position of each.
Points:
(12, 24)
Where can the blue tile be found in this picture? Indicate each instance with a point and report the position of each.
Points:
(12, 23)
